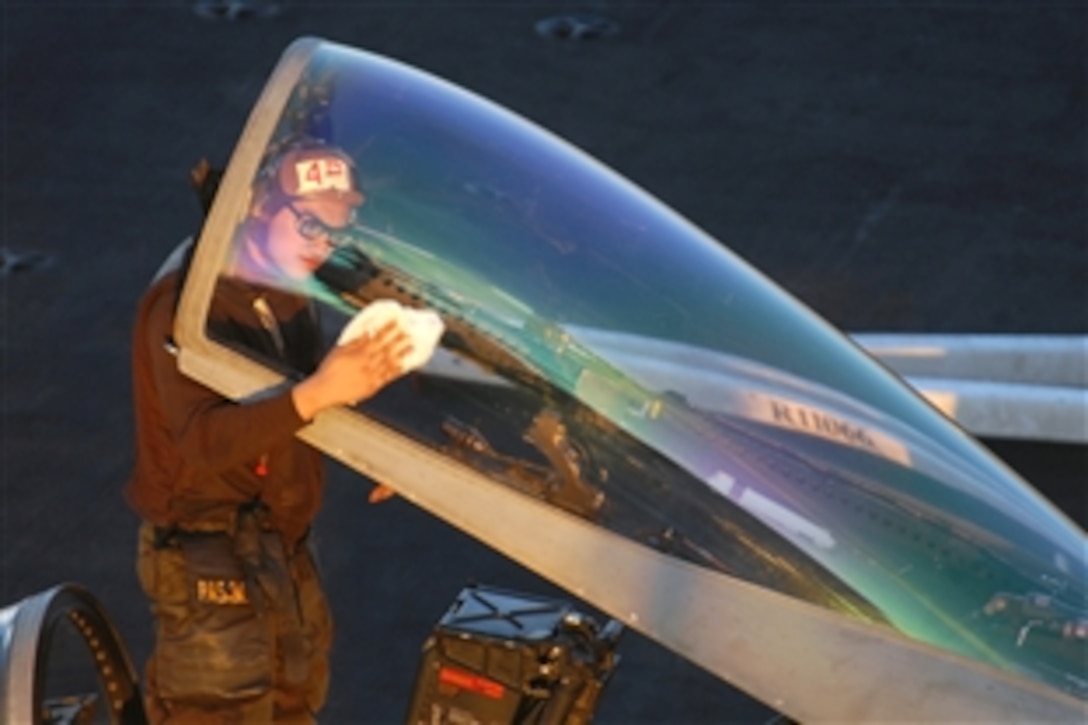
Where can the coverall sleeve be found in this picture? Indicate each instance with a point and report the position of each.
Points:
(210, 431)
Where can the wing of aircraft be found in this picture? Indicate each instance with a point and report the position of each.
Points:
(623, 405)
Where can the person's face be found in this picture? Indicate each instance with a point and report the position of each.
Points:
(295, 245)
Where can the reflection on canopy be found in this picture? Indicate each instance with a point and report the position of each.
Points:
(605, 356)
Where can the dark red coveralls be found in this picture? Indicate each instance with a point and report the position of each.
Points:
(227, 495)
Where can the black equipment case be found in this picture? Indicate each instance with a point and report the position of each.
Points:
(499, 657)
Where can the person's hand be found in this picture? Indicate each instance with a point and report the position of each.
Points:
(380, 493)
(354, 371)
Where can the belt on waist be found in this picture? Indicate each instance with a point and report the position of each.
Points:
(167, 536)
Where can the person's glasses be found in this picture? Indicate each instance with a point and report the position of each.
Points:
(313, 229)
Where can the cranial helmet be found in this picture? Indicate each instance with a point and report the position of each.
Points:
(312, 171)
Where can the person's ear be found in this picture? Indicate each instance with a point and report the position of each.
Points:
(261, 206)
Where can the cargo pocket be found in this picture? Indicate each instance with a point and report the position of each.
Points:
(215, 646)
(161, 571)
